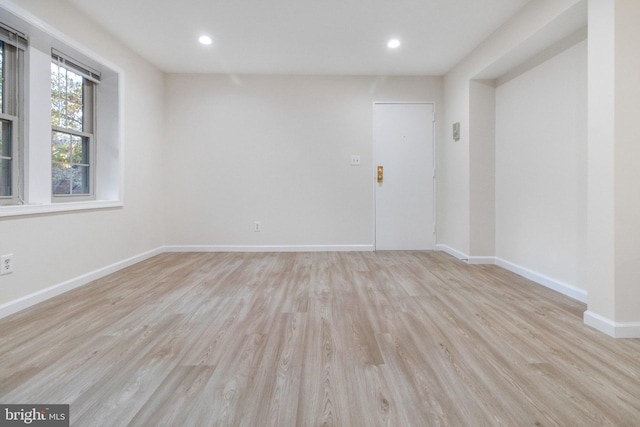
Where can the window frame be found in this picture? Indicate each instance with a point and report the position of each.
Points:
(90, 80)
(12, 108)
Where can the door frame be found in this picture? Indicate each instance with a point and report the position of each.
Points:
(374, 171)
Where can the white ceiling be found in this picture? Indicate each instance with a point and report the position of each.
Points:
(302, 36)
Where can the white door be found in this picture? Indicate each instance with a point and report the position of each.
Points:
(404, 197)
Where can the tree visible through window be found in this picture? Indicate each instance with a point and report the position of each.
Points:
(72, 131)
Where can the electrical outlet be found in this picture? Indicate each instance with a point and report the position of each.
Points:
(257, 226)
(355, 160)
(6, 264)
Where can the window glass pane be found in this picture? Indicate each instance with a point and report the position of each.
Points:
(5, 178)
(57, 105)
(70, 164)
(73, 113)
(61, 178)
(80, 179)
(5, 138)
(74, 86)
(67, 96)
(56, 113)
(85, 151)
(5, 158)
(61, 147)
(78, 149)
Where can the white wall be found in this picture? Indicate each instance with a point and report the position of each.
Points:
(482, 169)
(614, 152)
(453, 166)
(50, 249)
(275, 149)
(541, 181)
(536, 24)
(627, 159)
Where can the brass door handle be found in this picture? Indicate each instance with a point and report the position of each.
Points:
(380, 174)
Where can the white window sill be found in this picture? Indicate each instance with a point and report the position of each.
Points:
(34, 209)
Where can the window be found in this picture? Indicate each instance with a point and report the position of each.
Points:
(73, 145)
(71, 97)
(12, 46)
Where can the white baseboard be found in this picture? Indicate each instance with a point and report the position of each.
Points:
(453, 252)
(269, 248)
(558, 286)
(481, 260)
(611, 328)
(464, 257)
(548, 282)
(27, 301)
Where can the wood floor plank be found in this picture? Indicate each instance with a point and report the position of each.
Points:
(318, 338)
(277, 378)
(173, 401)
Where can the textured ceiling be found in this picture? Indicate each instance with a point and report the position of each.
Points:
(302, 36)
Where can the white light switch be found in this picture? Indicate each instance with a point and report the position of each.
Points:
(355, 160)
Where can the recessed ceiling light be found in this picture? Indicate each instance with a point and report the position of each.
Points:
(205, 40)
(393, 43)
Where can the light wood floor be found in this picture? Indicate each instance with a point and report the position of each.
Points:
(310, 339)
